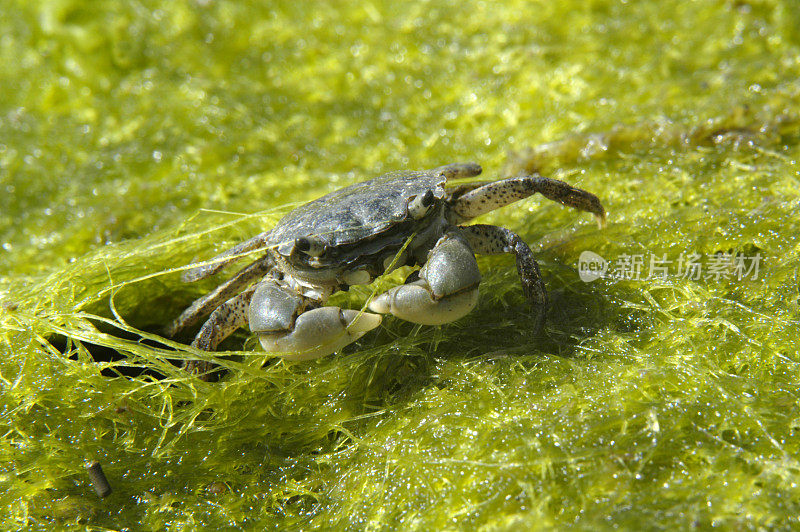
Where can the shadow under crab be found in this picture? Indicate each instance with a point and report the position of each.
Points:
(355, 234)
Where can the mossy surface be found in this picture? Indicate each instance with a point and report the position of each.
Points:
(139, 136)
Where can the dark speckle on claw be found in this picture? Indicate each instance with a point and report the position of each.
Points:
(355, 234)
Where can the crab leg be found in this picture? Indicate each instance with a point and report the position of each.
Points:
(223, 321)
(223, 259)
(284, 324)
(460, 170)
(491, 240)
(204, 305)
(447, 288)
(500, 193)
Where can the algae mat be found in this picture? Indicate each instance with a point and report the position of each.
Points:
(139, 136)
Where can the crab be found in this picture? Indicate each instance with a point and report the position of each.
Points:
(355, 234)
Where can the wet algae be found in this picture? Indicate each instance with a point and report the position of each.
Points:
(139, 136)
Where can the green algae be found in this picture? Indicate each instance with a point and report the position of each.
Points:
(137, 137)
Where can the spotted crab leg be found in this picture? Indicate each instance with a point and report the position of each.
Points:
(223, 259)
(491, 196)
(460, 170)
(203, 306)
(447, 288)
(492, 240)
(223, 321)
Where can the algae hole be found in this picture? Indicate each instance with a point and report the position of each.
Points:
(108, 355)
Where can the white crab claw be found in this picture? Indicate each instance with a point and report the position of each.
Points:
(320, 332)
(413, 302)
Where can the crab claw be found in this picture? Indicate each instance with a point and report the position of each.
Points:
(446, 290)
(416, 303)
(320, 332)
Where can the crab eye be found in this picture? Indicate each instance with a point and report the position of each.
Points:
(420, 205)
(302, 244)
(309, 246)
